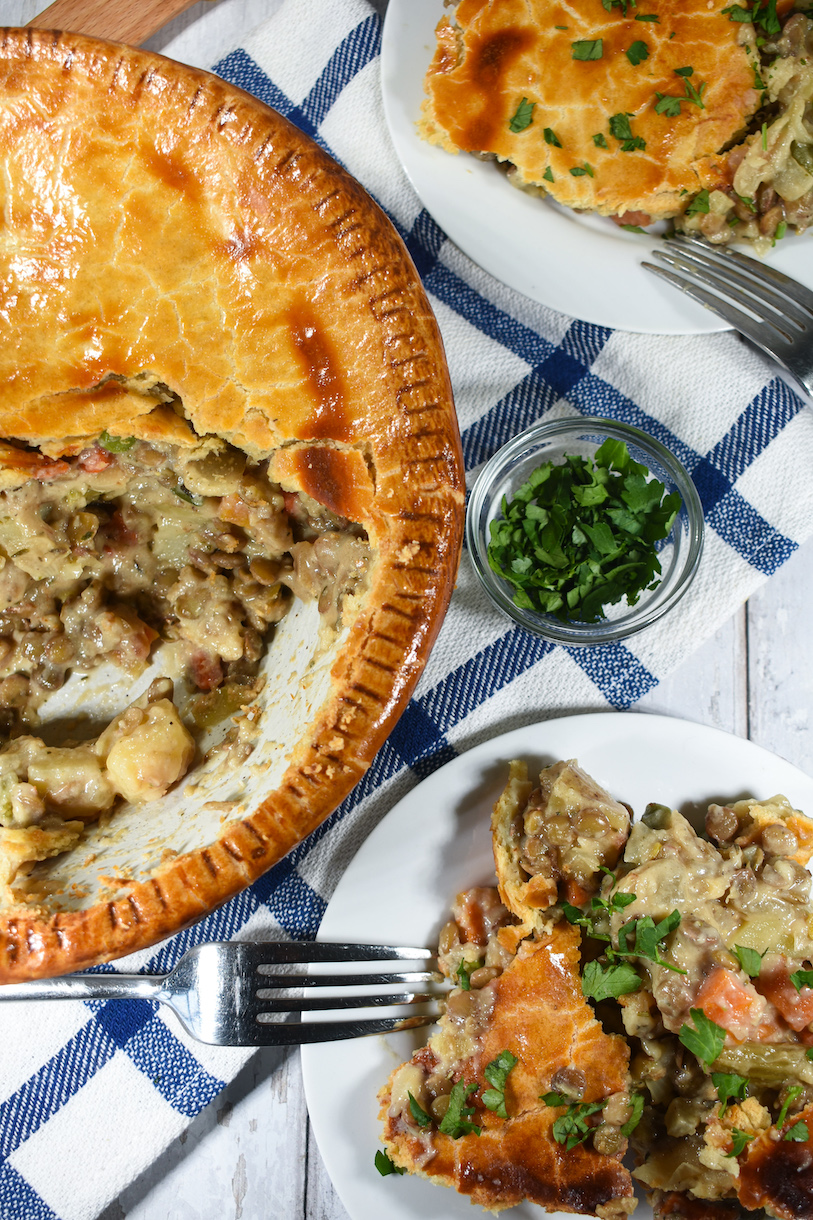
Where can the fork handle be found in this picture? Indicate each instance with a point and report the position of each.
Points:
(87, 987)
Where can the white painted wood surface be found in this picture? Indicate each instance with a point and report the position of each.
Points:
(251, 1155)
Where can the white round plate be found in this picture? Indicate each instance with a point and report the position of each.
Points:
(582, 265)
(436, 842)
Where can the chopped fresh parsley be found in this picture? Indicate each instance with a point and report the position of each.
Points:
(183, 494)
(647, 936)
(730, 1087)
(579, 171)
(620, 128)
(802, 978)
(739, 1139)
(116, 444)
(599, 141)
(418, 1113)
(764, 137)
(385, 1166)
(633, 228)
(609, 5)
(747, 202)
(700, 204)
(737, 13)
(572, 1127)
(667, 104)
(706, 1040)
(647, 17)
(455, 1121)
(551, 137)
(464, 973)
(496, 1073)
(609, 982)
(763, 15)
(523, 116)
(797, 1132)
(790, 1097)
(809, 1053)
(750, 960)
(548, 175)
(637, 53)
(581, 535)
(587, 48)
(637, 1105)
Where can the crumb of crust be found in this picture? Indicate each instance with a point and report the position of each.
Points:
(168, 854)
(114, 882)
(335, 743)
(408, 552)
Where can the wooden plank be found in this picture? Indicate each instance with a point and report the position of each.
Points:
(118, 20)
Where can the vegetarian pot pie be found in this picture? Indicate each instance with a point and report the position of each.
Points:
(230, 493)
(670, 109)
(695, 952)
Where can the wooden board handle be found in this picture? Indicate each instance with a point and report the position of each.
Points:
(132, 21)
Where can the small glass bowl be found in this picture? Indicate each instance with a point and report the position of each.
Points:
(551, 440)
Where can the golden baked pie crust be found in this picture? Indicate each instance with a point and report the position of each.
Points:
(171, 223)
(492, 54)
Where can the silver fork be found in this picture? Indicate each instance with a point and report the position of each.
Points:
(772, 310)
(219, 991)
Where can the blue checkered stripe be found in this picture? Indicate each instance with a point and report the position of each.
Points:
(420, 741)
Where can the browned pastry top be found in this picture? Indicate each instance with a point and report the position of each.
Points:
(540, 1015)
(494, 54)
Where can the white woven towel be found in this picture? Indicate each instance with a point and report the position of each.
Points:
(67, 1068)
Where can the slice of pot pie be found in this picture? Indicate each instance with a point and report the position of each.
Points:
(231, 493)
(520, 1094)
(612, 108)
(698, 947)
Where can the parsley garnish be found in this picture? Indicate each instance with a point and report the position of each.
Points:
(587, 48)
(496, 1073)
(647, 17)
(729, 1087)
(572, 1127)
(764, 137)
(637, 1104)
(418, 1113)
(763, 14)
(581, 535)
(116, 444)
(633, 228)
(797, 1132)
(737, 13)
(548, 175)
(738, 1141)
(809, 1053)
(183, 494)
(620, 128)
(464, 973)
(700, 203)
(637, 53)
(790, 1098)
(551, 137)
(609, 982)
(579, 171)
(647, 938)
(747, 202)
(750, 960)
(802, 978)
(385, 1166)
(669, 104)
(599, 141)
(523, 116)
(456, 1119)
(706, 1039)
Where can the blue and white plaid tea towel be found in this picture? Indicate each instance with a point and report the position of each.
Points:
(65, 1069)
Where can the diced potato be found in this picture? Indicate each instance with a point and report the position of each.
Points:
(71, 781)
(148, 750)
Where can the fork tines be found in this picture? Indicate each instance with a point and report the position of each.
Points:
(767, 306)
(266, 1006)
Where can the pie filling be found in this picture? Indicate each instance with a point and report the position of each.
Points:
(697, 949)
(108, 554)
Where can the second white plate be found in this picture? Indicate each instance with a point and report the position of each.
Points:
(436, 842)
(579, 264)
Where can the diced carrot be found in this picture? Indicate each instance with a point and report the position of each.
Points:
(575, 892)
(795, 1006)
(736, 1006)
